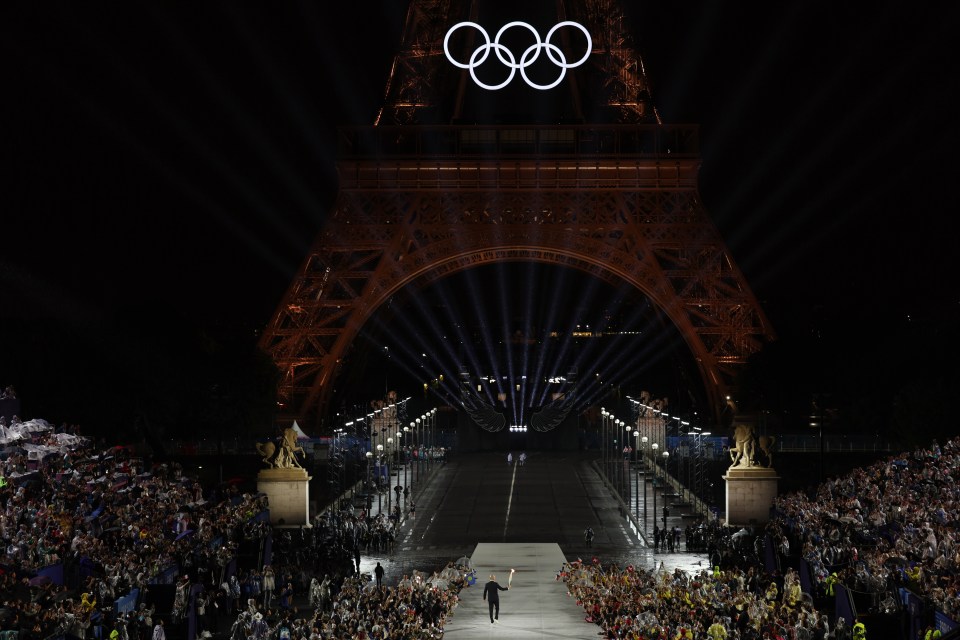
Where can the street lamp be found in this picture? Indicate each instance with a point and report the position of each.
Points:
(621, 454)
(389, 472)
(625, 464)
(421, 440)
(636, 473)
(690, 459)
(414, 449)
(407, 452)
(644, 439)
(379, 468)
(367, 500)
(603, 441)
(666, 457)
(430, 445)
(400, 462)
(433, 421)
(656, 477)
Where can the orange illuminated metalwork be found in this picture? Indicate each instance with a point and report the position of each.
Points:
(419, 202)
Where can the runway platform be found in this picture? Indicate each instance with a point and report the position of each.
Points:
(536, 606)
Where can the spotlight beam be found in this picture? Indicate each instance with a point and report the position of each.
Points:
(505, 316)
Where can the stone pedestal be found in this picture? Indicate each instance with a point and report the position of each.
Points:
(750, 494)
(288, 492)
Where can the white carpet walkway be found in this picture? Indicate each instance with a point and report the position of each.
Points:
(536, 606)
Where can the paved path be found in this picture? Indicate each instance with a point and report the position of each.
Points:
(536, 606)
(478, 498)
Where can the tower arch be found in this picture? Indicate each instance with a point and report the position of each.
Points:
(424, 193)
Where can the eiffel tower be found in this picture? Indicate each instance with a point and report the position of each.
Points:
(453, 175)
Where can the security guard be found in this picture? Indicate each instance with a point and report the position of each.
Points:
(859, 631)
(830, 581)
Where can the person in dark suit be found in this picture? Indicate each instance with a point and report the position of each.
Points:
(492, 596)
(378, 571)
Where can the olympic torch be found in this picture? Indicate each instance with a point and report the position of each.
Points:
(510, 579)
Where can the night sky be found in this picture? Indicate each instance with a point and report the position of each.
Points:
(175, 161)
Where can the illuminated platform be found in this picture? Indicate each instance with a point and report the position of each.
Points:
(536, 606)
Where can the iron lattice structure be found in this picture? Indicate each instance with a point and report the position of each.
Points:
(419, 201)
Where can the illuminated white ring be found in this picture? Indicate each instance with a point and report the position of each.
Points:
(506, 57)
(485, 47)
(536, 36)
(524, 64)
(512, 64)
(586, 34)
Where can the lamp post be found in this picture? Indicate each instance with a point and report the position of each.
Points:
(426, 425)
(618, 459)
(367, 501)
(416, 450)
(689, 458)
(368, 425)
(656, 476)
(407, 452)
(379, 467)
(625, 463)
(390, 448)
(644, 439)
(431, 436)
(617, 455)
(666, 458)
(701, 489)
(400, 462)
(424, 444)
(603, 440)
(433, 421)
(611, 448)
(636, 474)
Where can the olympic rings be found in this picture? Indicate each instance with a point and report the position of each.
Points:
(505, 56)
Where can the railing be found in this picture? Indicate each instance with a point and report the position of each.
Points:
(715, 447)
(801, 443)
(651, 141)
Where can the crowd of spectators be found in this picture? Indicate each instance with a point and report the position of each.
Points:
(881, 527)
(714, 603)
(888, 525)
(345, 603)
(416, 609)
(113, 522)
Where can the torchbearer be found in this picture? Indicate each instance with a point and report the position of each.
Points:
(492, 589)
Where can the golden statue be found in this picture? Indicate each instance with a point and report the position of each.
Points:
(744, 452)
(283, 456)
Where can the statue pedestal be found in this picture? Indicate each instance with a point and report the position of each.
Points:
(750, 494)
(288, 493)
